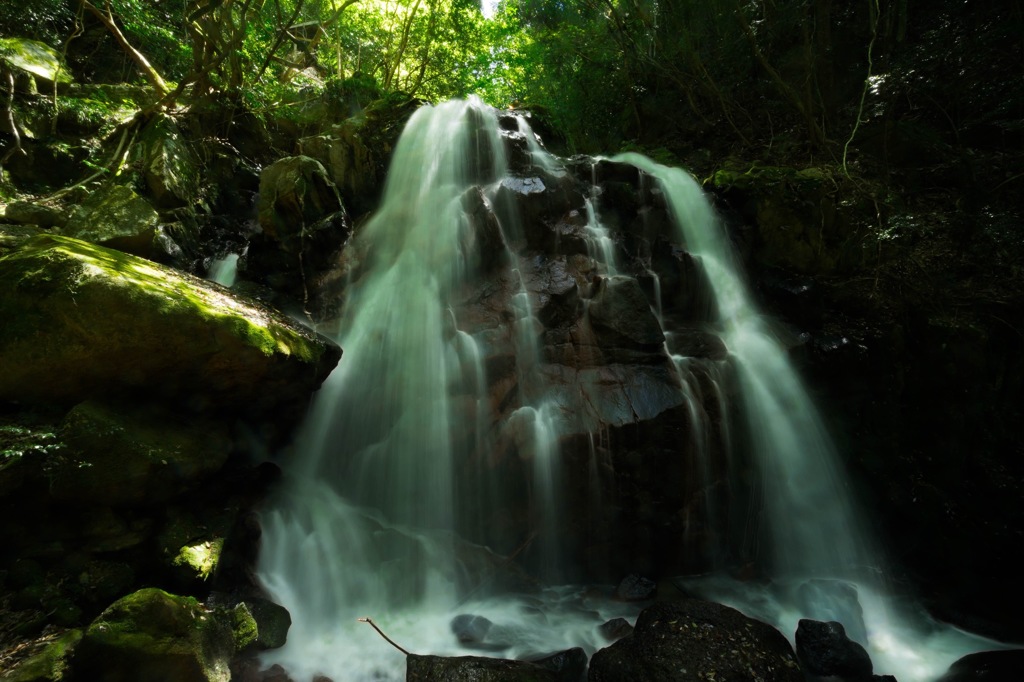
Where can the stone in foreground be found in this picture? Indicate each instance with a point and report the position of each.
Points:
(696, 640)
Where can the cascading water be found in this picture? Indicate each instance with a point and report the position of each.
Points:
(822, 561)
(405, 451)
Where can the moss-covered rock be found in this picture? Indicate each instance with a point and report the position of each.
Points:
(260, 624)
(50, 664)
(155, 636)
(349, 161)
(82, 321)
(801, 223)
(28, 213)
(119, 456)
(34, 57)
(169, 166)
(294, 192)
(117, 217)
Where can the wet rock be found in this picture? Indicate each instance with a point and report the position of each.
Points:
(570, 665)
(824, 650)
(170, 168)
(636, 588)
(294, 192)
(154, 635)
(470, 629)
(987, 666)
(695, 640)
(128, 456)
(272, 620)
(118, 218)
(485, 238)
(305, 226)
(615, 629)
(475, 669)
(82, 321)
(834, 600)
(349, 161)
(619, 306)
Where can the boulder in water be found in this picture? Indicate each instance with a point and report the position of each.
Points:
(987, 666)
(824, 650)
(636, 588)
(571, 664)
(470, 629)
(696, 640)
(615, 629)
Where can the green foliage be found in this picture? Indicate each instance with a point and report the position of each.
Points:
(47, 20)
(155, 29)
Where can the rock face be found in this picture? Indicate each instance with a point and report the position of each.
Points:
(131, 456)
(987, 666)
(304, 228)
(696, 640)
(475, 669)
(824, 650)
(153, 635)
(82, 321)
(118, 218)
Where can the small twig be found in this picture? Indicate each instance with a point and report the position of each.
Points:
(381, 633)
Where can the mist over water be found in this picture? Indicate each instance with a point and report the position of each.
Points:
(368, 523)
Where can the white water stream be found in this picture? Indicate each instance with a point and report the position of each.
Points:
(365, 527)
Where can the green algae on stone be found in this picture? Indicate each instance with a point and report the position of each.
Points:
(169, 167)
(202, 558)
(50, 664)
(84, 321)
(127, 455)
(155, 636)
(117, 217)
(37, 58)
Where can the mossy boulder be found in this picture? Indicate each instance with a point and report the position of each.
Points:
(127, 456)
(801, 223)
(349, 161)
(34, 57)
(260, 624)
(81, 321)
(295, 191)
(50, 664)
(155, 636)
(169, 166)
(305, 227)
(117, 217)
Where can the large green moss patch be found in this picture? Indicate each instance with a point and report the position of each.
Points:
(82, 320)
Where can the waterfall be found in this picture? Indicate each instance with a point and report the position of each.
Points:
(822, 561)
(443, 433)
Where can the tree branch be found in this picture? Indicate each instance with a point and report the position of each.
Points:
(140, 59)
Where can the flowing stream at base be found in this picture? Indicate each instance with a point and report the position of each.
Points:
(367, 524)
